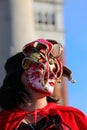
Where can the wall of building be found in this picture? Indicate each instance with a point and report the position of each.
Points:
(22, 21)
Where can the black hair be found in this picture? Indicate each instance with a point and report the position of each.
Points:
(12, 91)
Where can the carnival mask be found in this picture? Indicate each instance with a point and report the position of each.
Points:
(42, 68)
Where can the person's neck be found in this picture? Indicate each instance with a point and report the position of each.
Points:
(35, 104)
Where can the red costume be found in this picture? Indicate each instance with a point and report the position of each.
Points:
(41, 70)
(67, 118)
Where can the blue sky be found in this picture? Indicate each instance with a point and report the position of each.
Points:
(75, 22)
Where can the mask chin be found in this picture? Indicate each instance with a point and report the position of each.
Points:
(34, 80)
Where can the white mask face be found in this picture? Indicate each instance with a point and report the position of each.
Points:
(34, 76)
(41, 68)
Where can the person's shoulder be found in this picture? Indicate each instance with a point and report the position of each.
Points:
(15, 113)
(67, 109)
(71, 116)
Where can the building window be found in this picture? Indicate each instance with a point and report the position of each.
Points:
(45, 20)
(53, 19)
(39, 17)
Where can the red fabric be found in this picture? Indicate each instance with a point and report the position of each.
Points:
(70, 116)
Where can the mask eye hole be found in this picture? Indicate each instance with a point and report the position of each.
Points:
(53, 65)
(55, 69)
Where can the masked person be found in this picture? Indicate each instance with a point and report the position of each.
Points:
(31, 76)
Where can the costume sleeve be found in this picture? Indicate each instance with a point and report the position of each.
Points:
(75, 119)
(81, 120)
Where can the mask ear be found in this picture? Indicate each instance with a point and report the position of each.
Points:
(68, 73)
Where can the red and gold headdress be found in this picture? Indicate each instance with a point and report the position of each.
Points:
(40, 52)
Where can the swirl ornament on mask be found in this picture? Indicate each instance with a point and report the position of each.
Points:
(42, 67)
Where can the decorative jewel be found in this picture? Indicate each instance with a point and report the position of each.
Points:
(26, 63)
(57, 80)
